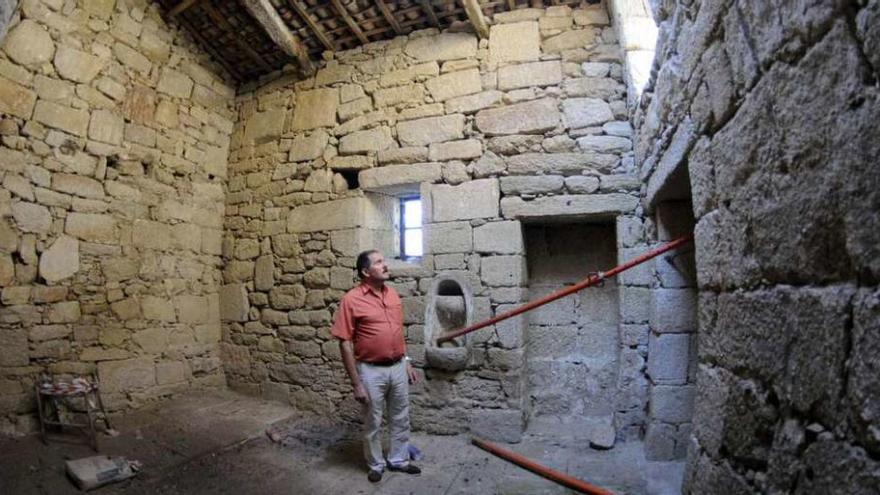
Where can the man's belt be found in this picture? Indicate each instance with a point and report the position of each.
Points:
(385, 362)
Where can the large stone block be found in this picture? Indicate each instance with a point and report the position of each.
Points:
(452, 237)
(308, 147)
(340, 214)
(560, 163)
(526, 75)
(604, 88)
(77, 65)
(234, 305)
(431, 130)
(151, 235)
(472, 103)
(504, 237)
(412, 154)
(598, 206)
(515, 42)
(72, 120)
(174, 83)
(503, 271)
(455, 84)
(672, 403)
(568, 40)
(106, 126)
(315, 108)
(604, 144)
(376, 139)
(455, 150)
(586, 112)
(78, 185)
(522, 118)
(403, 95)
(669, 358)
(674, 310)
(791, 338)
(16, 99)
(540, 184)
(447, 46)
(399, 178)
(127, 375)
(265, 126)
(61, 260)
(29, 44)
(474, 199)
(158, 308)
(30, 217)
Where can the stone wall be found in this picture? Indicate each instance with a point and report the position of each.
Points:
(764, 114)
(115, 135)
(527, 126)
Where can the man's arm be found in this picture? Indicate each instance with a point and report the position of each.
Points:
(347, 351)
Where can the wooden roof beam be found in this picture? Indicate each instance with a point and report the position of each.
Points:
(185, 4)
(265, 13)
(478, 20)
(224, 24)
(307, 18)
(389, 16)
(429, 10)
(348, 20)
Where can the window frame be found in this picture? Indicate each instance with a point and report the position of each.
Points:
(402, 228)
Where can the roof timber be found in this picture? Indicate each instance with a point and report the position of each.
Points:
(274, 25)
(429, 11)
(224, 24)
(185, 4)
(478, 20)
(341, 10)
(307, 18)
(389, 16)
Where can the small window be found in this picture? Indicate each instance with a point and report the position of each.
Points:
(410, 227)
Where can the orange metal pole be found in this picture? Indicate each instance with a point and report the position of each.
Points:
(583, 284)
(551, 474)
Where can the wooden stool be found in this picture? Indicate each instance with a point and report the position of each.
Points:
(52, 396)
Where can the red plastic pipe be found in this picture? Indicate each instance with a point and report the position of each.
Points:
(551, 474)
(583, 284)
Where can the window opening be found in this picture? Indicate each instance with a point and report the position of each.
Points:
(410, 227)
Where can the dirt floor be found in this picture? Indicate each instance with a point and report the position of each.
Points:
(217, 443)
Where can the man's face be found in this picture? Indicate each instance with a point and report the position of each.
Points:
(378, 270)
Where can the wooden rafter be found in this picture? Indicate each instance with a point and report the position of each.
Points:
(224, 24)
(185, 4)
(348, 20)
(211, 50)
(429, 11)
(478, 20)
(307, 18)
(389, 16)
(264, 12)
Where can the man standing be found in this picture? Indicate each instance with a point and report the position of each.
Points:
(369, 326)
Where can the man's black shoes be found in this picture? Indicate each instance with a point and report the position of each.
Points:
(408, 469)
(374, 476)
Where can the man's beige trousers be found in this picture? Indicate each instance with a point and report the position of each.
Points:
(386, 386)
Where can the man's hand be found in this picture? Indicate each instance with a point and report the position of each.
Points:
(411, 374)
(360, 393)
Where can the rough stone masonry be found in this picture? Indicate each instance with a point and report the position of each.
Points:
(115, 133)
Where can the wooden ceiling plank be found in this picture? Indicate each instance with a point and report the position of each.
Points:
(478, 20)
(429, 10)
(348, 20)
(307, 18)
(389, 16)
(185, 4)
(264, 12)
(224, 24)
(211, 50)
